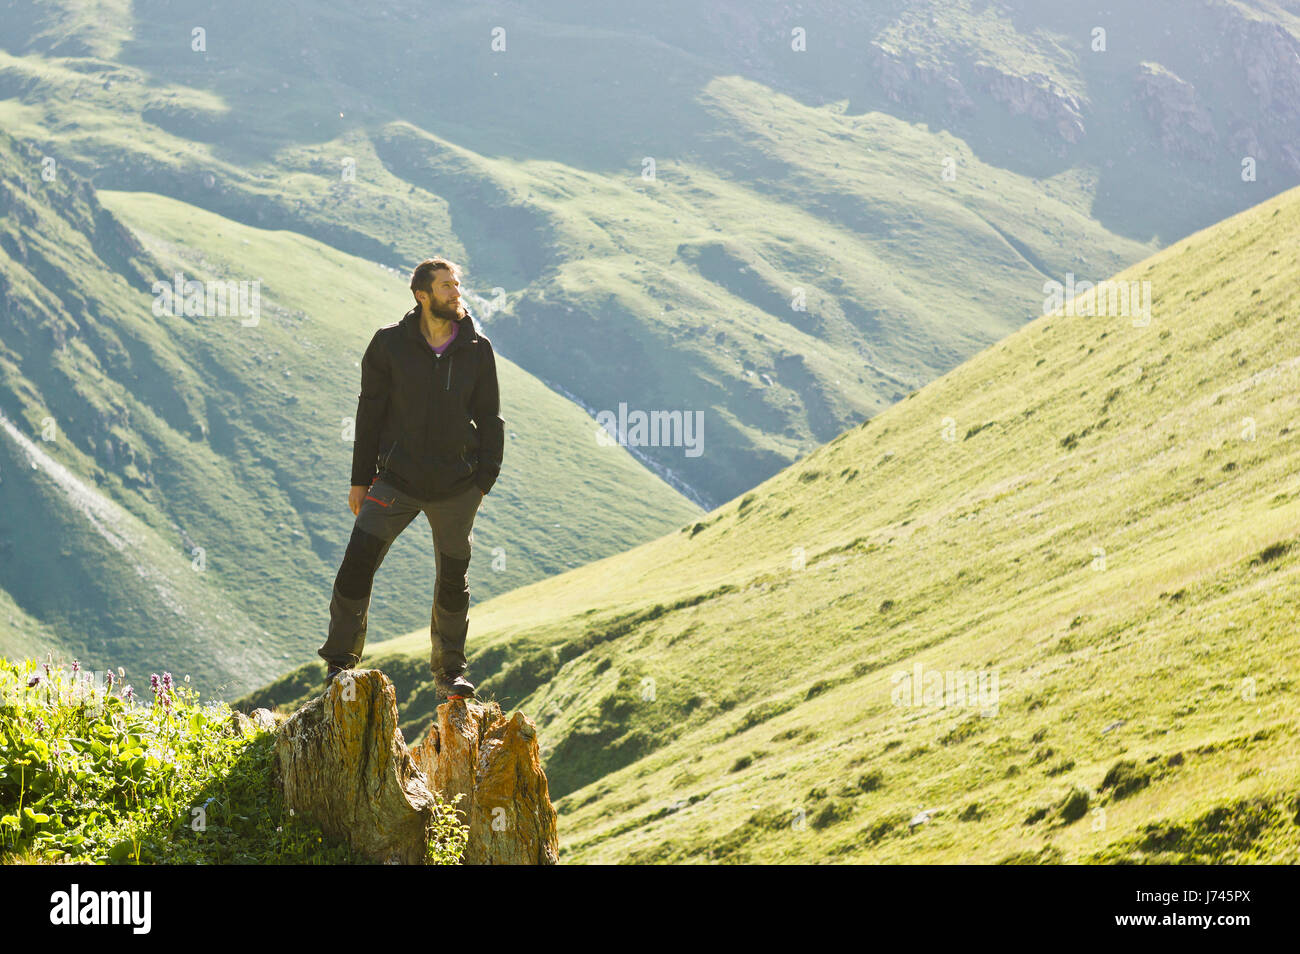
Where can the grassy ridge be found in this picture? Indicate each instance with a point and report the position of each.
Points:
(1106, 516)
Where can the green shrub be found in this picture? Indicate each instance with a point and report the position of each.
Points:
(871, 781)
(93, 773)
(831, 812)
(1126, 777)
(1074, 806)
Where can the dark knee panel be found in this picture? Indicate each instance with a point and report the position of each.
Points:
(357, 574)
(453, 588)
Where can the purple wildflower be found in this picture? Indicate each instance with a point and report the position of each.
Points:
(47, 669)
(167, 681)
(128, 693)
(76, 665)
(40, 724)
(108, 677)
(153, 682)
(35, 680)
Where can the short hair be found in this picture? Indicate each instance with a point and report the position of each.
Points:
(422, 277)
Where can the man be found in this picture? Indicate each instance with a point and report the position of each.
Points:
(429, 437)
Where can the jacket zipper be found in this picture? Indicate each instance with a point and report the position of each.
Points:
(451, 358)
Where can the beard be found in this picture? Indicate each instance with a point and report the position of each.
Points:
(447, 312)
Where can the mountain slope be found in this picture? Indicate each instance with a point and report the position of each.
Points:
(1112, 529)
(1102, 516)
(175, 486)
(76, 565)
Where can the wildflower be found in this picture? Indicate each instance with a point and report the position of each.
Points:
(76, 665)
(108, 678)
(47, 669)
(35, 680)
(121, 672)
(167, 681)
(40, 724)
(153, 682)
(128, 693)
(187, 677)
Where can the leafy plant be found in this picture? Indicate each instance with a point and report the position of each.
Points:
(92, 773)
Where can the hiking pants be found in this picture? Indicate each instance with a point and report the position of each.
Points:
(384, 514)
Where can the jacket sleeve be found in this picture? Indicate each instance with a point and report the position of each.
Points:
(372, 404)
(485, 409)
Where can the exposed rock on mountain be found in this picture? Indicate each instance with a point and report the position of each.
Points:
(1037, 96)
(1172, 104)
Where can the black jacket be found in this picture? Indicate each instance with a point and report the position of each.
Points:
(430, 424)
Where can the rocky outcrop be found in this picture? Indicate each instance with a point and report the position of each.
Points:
(1036, 95)
(341, 762)
(1268, 55)
(912, 77)
(1170, 102)
(472, 750)
(903, 79)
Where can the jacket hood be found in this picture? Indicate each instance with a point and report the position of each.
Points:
(465, 330)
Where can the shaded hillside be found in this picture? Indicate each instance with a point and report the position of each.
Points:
(90, 393)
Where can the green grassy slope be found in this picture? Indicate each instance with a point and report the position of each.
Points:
(88, 565)
(1106, 517)
(171, 434)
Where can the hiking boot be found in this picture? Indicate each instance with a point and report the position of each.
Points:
(454, 687)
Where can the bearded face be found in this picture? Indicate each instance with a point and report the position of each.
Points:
(453, 311)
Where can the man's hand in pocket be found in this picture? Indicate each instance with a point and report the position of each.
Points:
(355, 497)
